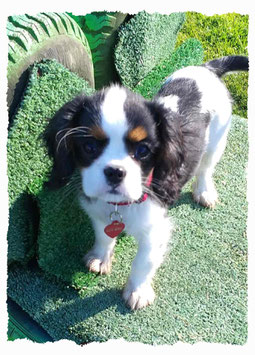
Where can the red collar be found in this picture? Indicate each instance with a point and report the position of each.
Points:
(142, 199)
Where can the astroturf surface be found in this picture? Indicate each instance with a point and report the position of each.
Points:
(201, 287)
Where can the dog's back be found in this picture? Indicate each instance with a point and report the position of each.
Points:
(192, 92)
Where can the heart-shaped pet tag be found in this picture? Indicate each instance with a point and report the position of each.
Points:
(114, 229)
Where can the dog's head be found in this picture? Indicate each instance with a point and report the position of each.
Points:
(116, 139)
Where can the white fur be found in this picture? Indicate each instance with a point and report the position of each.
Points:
(113, 115)
(170, 102)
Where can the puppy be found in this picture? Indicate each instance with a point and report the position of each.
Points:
(134, 156)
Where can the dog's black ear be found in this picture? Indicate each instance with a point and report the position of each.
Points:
(168, 169)
(58, 139)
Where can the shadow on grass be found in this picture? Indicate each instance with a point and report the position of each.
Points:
(76, 308)
(76, 311)
(55, 300)
(187, 199)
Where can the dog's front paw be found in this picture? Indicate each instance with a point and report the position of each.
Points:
(139, 297)
(205, 197)
(97, 263)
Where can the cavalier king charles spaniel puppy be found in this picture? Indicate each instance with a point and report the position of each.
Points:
(135, 155)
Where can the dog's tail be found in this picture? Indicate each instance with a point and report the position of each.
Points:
(227, 64)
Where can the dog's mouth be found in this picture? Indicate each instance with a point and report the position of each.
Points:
(115, 195)
(120, 195)
(114, 191)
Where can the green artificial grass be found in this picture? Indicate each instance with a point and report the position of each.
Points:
(201, 287)
(189, 53)
(143, 42)
(28, 163)
(221, 35)
(64, 237)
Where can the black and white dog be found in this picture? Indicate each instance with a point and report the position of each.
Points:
(135, 155)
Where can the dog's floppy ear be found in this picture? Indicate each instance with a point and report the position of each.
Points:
(59, 143)
(167, 174)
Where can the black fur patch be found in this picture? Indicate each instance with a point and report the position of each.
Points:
(138, 114)
(181, 136)
(186, 90)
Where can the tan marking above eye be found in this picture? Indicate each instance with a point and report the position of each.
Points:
(137, 134)
(98, 133)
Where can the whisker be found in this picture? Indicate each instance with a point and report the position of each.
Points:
(71, 189)
(79, 128)
(148, 189)
(70, 131)
(153, 194)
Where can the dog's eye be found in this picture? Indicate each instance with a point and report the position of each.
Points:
(142, 151)
(91, 146)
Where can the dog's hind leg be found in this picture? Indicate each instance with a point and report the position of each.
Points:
(204, 191)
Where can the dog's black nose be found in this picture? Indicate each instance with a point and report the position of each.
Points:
(114, 174)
